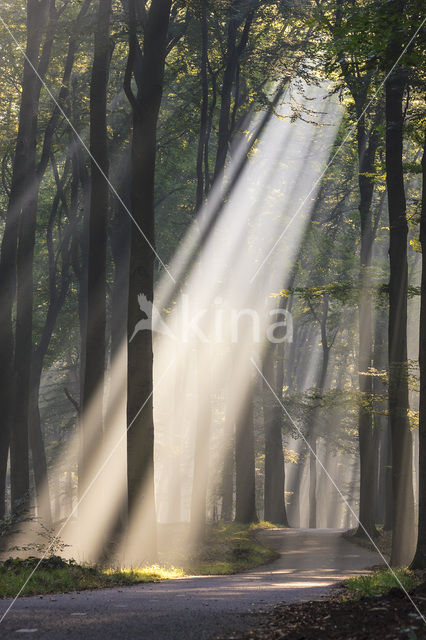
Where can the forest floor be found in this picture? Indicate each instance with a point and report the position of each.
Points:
(388, 617)
(201, 607)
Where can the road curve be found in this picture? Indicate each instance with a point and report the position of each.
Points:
(310, 562)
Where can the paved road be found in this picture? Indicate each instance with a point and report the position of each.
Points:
(310, 562)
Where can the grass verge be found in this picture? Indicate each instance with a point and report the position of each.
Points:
(55, 575)
(380, 582)
(231, 548)
(226, 549)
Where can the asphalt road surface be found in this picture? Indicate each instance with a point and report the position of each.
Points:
(310, 562)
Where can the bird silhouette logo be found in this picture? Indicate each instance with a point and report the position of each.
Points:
(153, 321)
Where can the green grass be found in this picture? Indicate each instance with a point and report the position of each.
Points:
(61, 576)
(231, 548)
(226, 549)
(380, 582)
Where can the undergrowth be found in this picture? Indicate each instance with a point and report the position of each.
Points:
(380, 582)
(226, 549)
(231, 548)
(55, 575)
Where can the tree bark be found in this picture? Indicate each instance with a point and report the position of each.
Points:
(146, 105)
(245, 483)
(274, 496)
(201, 449)
(312, 436)
(419, 561)
(381, 421)
(202, 179)
(228, 474)
(367, 145)
(402, 483)
(94, 371)
(17, 254)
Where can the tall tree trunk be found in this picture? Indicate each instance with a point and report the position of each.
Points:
(146, 105)
(17, 253)
(367, 145)
(202, 435)
(419, 561)
(94, 371)
(79, 248)
(402, 467)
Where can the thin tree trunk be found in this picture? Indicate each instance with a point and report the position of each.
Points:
(402, 467)
(381, 421)
(419, 561)
(234, 51)
(313, 481)
(274, 499)
(319, 387)
(202, 180)
(79, 249)
(201, 450)
(228, 474)
(228, 459)
(367, 145)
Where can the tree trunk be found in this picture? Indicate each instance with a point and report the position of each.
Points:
(402, 468)
(313, 481)
(367, 145)
(234, 52)
(146, 105)
(274, 497)
(202, 180)
(312, 436)
(18, 251)
(245, 497)
(381, 421)
(419, 561)
(228, 458)
(228, 475)
(41, 480)
(79, 250)
(201, 449)
(202, 435)
(94, 371)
